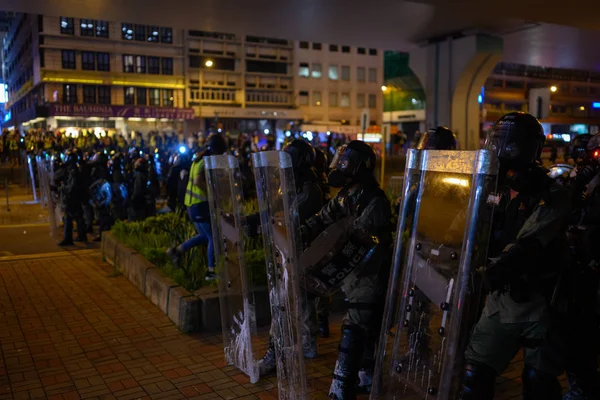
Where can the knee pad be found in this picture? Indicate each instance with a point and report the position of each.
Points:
(540, 385)
(478, 382)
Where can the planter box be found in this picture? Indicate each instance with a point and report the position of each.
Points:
(199, 311)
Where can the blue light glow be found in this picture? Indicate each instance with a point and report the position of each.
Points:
(596, 104)
(480, 99)
(182, 149)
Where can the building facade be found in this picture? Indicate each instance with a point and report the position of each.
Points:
(65, 72)
(70, 72)
(574, 97)
(336, 85)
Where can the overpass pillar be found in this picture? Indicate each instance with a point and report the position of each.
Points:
(452, 72)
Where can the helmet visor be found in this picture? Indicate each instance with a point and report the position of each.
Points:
(346, 160)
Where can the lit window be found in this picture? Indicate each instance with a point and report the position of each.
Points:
(152, 33)
(102, 29)
(154, 97)
(316, 71)
(333, 99)
(87, 27)
(128, 63)
(127, 31)
(67, 26)
(168, 98)
(140, 64)
(333, 72)
(360, 74)
(316, 98)
(345, 100)
(69, 94)
(303, 70)
(129, 95)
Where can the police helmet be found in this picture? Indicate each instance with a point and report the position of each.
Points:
(440, 138)
(71, 157)
(302, 153)
(578, 149)
(517, 139)
(355, 158)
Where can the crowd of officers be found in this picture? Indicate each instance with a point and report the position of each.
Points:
(542, 280)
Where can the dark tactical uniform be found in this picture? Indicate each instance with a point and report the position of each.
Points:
(361, 198)
(101, 193)
(137, 204)
(73, 193)
(584, 235)
(530, 256)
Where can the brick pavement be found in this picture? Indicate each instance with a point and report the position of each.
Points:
(70, 328)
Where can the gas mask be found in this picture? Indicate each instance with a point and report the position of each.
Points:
(337, 178)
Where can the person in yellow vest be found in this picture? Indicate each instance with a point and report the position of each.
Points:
(196, 201)
(121, 143)
(13, 148)
(48, 144)
(81, 140)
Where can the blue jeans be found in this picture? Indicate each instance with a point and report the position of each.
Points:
(204, 236)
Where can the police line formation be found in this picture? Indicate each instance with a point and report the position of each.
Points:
(492, 254)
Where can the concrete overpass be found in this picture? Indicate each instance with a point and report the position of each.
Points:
(454, 44)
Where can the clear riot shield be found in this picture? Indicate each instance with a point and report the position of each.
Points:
(238, 312)
(45, 177)
(442, 238)
(279, 222)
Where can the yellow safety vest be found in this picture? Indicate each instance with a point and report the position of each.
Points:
(13, 145)
(47, 144)
(193, 193)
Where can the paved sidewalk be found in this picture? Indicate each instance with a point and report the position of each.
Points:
(70, 328)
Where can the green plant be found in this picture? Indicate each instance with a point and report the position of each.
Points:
(152, 237)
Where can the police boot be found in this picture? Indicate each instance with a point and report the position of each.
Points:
(345, 374)
(268, 364)
(540, 385)
(478, 383)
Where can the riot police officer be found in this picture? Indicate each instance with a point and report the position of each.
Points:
(360, 197)
(101, 192)
(529, 257)
(137, 204)
(309, 201)
(119, 188)
(584, 235)
(72, 188)
(440, 138)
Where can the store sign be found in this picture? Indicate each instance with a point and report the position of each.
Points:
(236, 112)
(86, 111)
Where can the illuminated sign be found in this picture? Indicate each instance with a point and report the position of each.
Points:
(7, 116)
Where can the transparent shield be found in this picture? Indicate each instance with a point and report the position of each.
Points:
(442, 240)
(279, 221)
(47, 197)
(228, 220)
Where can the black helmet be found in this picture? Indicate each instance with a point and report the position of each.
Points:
(99, 158)
(302, 153)
(140, 164)
(517, 138)
(354, 159)
(440, 138)
(216, 144)
(321, 162)
(578, 150)
(593, 147)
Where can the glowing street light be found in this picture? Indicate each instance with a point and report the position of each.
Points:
(383, 88)
(209, 63)
(582, 108)
(553, 88)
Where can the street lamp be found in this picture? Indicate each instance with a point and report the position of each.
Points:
(209, 63)
(553, 88)
(383, 88)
